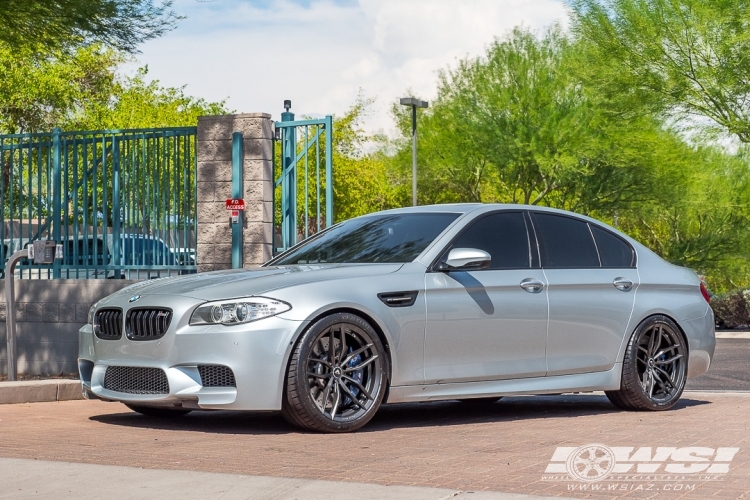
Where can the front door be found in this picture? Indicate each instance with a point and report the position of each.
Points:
(488, 324)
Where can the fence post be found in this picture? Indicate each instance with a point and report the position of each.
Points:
(329, 171)
(56, 194)
(288, 182)
(116, 250)
(238, 156)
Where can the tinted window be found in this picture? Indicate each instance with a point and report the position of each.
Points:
(565, 242)
(613, 251)
(379, 238)
(501, 235)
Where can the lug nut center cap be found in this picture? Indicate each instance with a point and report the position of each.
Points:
(337, 372)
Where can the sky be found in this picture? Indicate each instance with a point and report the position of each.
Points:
(322, 53)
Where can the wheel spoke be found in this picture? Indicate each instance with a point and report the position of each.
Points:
(331, 341)
(354, 354)
(670, 360)
(321, 361)
(335, 407)
(652, 383)
(326, 395)
(667, 375)
(318, 375)
(664, 351)
(350, 394)
(361, 365)
(343, 343)
(654, 341)
(359, 386)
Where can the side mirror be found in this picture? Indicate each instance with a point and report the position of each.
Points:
(466, 259)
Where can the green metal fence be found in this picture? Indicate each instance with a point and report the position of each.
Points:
(121, 202)
(303, 190)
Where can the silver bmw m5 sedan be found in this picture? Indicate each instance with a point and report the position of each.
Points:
(469, 302)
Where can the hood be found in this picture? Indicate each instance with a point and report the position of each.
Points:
(219, 285)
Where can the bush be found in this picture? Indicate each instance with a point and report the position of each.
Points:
(732, 310)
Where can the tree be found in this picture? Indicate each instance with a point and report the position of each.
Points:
(37, 94)
(517, 126)
(528, 123)
(135, 103)
(60, 24)
(675, 57)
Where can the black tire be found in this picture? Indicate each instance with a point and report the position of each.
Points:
(481, 401)
(152, 411)
(654, 369)
(342, 395)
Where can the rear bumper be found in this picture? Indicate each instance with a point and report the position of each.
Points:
(701, 343)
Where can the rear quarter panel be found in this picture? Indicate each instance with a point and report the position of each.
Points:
(674, 292)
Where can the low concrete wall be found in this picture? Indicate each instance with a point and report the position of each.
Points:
(48, 316)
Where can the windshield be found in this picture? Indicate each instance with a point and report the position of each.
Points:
(377, 238)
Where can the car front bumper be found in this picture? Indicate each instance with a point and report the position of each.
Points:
(255, 352)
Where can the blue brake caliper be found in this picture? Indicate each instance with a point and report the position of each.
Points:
(356, 375)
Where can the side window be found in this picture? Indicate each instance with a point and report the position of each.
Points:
(565, 242)
(502, 235)
(613, 251)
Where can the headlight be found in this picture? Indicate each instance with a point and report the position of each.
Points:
(237, 311)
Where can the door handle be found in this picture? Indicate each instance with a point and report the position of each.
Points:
(531, 285)
(623, 284)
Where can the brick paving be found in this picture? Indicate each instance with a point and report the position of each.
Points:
(501, 447)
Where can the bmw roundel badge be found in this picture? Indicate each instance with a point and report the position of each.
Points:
(134, 298)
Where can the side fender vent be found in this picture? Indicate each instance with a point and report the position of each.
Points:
(399, 299)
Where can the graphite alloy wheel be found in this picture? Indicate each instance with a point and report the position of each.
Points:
(152, 411)
(337, 375)
(654, 369)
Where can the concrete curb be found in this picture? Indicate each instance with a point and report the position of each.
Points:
(733, 335)
(40, 391)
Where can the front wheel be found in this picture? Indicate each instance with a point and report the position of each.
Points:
(654, 369)
(337, 375)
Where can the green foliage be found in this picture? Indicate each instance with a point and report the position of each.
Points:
(47, 25)
(732, 309)
(362, 182)
(529, 123)
(671, 56)
(136, 103)
(37, 93)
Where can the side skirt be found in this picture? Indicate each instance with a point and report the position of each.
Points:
(582, 382)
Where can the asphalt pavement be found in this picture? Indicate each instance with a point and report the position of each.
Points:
(730, 368)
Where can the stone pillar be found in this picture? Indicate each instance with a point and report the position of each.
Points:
(215, 186)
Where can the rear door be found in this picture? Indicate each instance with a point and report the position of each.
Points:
(591, 290)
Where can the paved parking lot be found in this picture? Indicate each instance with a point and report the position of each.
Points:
(506, 446)
(730, 368)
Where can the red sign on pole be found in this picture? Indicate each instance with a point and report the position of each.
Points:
(236, 204)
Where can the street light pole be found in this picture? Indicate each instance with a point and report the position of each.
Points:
(414, 103)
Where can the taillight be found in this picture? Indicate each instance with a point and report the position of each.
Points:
(704, 292)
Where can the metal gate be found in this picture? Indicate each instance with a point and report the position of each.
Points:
(303, 190)
(121, 202)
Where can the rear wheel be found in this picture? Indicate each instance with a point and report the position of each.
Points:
(654, 368)
(336, 378)
(152, 411)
